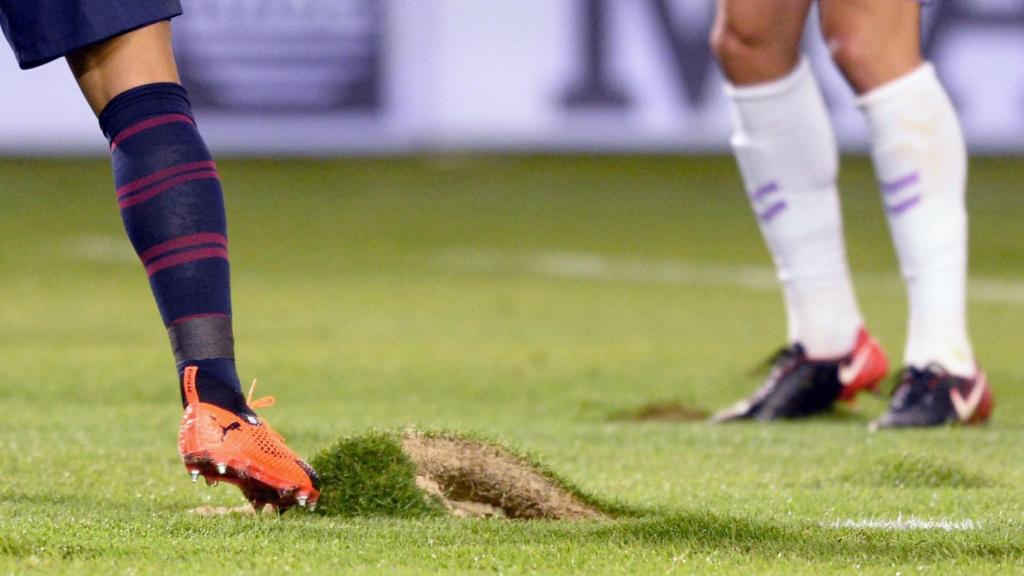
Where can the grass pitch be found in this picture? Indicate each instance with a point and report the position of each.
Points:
(544, 303)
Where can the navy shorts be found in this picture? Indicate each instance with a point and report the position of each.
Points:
(43, 30)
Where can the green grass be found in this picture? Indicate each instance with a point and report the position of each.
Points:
(369, 475)
(501, 297)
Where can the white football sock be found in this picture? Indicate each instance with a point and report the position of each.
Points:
(921, 162)
(787, 154)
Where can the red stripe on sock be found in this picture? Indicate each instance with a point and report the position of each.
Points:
(194, 316)
(185, 258)
(146, 125)
(165, 185)
(183, 242)
(161, 174)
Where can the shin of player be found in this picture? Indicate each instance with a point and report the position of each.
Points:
(920, 161)
(788, 158)
(169, 193)
(787, 155)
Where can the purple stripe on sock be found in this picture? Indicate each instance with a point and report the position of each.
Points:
(765, 191)
(890, 188)
(902, 207)
(772, 211)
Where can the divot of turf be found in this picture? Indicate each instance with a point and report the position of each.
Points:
(662, 412)
(915, 471)
(370, 475)
(415, 474)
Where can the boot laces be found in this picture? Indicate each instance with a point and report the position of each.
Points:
(915, 383)
(263, 402)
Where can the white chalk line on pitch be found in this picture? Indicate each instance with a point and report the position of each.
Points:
(102, 249)
(904, 523)
(598, 267)
(604, 268)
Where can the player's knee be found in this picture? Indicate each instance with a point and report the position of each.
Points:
(855, 54)
(746, 55)
(732, 44)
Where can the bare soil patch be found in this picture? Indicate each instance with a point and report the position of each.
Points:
(476, 479)
(245, 510)
(663, 412)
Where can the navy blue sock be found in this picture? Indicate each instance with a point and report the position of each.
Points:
(173, 210)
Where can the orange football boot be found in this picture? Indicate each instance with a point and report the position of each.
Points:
(243, 450)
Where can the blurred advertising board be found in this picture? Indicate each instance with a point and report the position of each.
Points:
(321, 77)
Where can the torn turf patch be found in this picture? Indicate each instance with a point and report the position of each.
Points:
(370, 475)
(415, 474)
(916, 471)
(661, 412)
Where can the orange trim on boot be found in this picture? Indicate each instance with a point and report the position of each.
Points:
(188, 382)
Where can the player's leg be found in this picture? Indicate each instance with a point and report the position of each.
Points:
(921, 163)
(170, 197)
(787, 154)
(172, 206)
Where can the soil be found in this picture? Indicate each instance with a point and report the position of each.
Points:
(663, 412)
(480, 480)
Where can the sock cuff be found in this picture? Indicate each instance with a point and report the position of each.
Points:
(216, 383)
(774, 88)
(923, 74)
(142, 102)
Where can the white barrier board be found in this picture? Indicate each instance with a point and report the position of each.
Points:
(365, 76)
